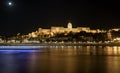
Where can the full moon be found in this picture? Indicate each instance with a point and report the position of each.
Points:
(10, 3)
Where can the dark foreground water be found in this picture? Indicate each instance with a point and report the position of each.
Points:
(81, 59)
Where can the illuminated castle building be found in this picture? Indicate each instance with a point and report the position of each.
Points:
(55, 30)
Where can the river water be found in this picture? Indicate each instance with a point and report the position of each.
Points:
(64, 59)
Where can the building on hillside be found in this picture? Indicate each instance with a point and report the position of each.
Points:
(56, 30)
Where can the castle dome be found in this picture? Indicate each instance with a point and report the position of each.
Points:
(69, 25)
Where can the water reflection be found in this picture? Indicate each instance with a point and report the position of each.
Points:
(14, 61)
(11, 63)
(62, 59)
(86, 50)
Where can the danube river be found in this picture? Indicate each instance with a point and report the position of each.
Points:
(62, 59)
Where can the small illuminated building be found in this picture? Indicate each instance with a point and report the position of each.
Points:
(115, 29)
(116, 39)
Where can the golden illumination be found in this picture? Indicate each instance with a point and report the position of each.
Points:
(55, 29)
(34, 35)
(69, 25)
(116, 39)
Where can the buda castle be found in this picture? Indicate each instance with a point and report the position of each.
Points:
(55, 30)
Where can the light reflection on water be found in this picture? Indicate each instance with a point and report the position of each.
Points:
(64, 59)
(18, 51)
(85, 50)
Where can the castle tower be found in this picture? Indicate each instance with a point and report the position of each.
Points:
(69, 25)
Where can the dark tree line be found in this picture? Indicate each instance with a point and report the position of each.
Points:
(79, 37)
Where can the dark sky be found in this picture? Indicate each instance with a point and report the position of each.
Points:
(28, 15)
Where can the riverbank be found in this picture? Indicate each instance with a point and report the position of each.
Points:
(60, 44)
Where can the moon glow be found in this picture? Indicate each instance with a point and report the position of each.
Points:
(10, 3)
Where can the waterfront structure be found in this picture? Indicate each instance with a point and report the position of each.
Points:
(115, 29)
(58, 29)
(68, 34)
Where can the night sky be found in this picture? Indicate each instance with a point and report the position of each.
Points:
(25, 16)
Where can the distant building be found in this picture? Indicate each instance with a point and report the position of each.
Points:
(68, 29)
(56, 29)
(115, 29)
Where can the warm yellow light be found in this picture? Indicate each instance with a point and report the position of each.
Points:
(70, 25)
(33, 34)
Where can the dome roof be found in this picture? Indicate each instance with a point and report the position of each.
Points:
(69, 25)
